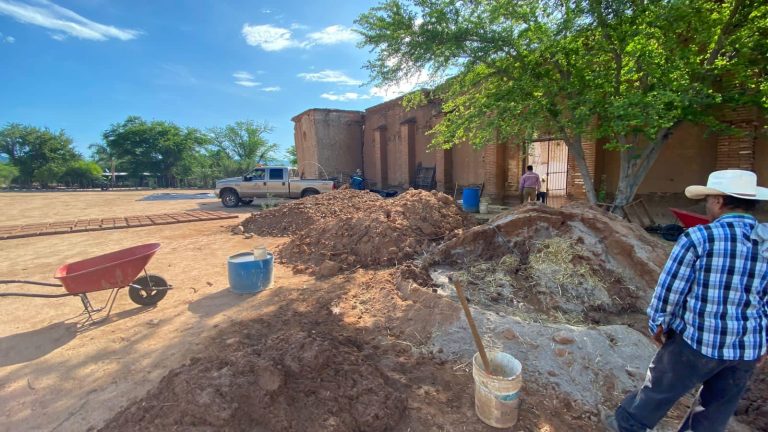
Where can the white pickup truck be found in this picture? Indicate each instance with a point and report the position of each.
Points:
(269, 181)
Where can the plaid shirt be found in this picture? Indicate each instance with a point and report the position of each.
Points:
(713, 290)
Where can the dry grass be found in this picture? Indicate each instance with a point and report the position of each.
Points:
(554, 257)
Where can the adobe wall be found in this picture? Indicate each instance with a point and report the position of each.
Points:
(395, 141)
(687, 158)
(331, 139)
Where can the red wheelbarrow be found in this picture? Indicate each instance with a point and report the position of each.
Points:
(672, 232)
(113, 271)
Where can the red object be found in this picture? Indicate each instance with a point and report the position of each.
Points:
(688, 219)
(113, 270)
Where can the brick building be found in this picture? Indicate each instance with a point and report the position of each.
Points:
(389, 142)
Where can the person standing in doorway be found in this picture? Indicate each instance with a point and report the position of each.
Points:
(541, 195)
(530, 184)
(709, 312)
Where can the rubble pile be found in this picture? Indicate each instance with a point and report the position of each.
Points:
(294, 217)
(377, 233)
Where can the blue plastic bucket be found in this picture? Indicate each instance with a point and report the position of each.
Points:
(470, 199)
(248, 275)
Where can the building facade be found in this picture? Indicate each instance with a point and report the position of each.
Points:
(388, 142)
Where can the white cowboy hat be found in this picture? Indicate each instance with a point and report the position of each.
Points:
(737, 183)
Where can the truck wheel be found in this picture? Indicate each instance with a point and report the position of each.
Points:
(309, 192)
(230, 199)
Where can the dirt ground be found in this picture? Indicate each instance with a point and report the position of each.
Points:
(357, 345)
(54, 376)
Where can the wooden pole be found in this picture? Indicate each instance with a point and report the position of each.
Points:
(472, 327)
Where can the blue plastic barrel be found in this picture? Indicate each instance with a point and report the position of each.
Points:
(470, 198)
(248, 275)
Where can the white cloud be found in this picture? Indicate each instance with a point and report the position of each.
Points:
(7, 39)
(269, 37)
(271, 89)
(344, 97)
(63, 21)
(402, 87)
(330, 76)
(243, 75)
(333, 35)
(247, 83)
(273, 38)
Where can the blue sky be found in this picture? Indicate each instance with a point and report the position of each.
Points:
(81, 65)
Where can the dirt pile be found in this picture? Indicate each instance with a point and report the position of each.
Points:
(753, 410)
(379, 233)
(295, 381)
(571, 263)
(296, 216)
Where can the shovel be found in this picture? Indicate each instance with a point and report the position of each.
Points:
(472, 327)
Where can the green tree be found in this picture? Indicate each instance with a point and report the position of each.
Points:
(39, 154)
(106, 158)
(293, 158)
(7, 173)
(245, 141)
(156, 147)
(81, 173)
(621, 70)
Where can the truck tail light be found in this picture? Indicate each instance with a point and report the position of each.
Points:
(335, 186)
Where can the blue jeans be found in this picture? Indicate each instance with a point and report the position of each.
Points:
(677, 369)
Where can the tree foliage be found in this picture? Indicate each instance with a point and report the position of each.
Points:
(7, 173)
(291, 156)
(245, 141)
(39, 154)
(156, 147)
(623, 71)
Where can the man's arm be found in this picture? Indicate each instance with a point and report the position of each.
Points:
(538, 183)
(674, 283)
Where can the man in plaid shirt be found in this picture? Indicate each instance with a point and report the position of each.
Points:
(709, 312)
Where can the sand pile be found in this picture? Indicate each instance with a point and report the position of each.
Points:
(294, 381)
(296, 216)
(571, 262)
(379, 233)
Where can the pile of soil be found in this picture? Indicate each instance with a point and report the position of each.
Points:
(572, 262)
(753, 409)
(296, 216)
(295, 381)
(379, 233)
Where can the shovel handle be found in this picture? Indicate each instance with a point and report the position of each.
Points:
(473, 327)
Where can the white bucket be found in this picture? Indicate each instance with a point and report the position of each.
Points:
(483, 207)
(497, 398)
(260, 252)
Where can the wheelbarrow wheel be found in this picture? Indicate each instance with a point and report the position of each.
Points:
(147, 295)
(671, 232)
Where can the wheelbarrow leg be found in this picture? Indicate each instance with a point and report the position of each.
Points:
(90, 310)
(87, 307)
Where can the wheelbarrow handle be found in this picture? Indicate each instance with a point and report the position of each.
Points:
(11, 294)
(28, 282)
